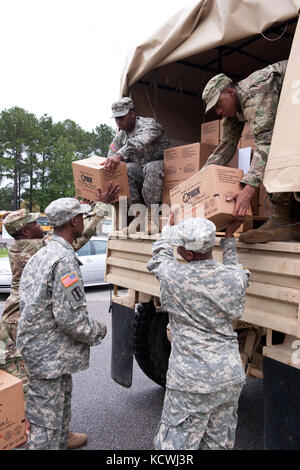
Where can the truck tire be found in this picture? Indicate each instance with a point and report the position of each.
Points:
(151, 345)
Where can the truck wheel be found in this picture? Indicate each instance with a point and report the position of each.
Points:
(151, 346)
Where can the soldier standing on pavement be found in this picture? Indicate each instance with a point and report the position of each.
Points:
(29, 239)
(55, 332)
(205, 374)
(140, 143)
(254, 100)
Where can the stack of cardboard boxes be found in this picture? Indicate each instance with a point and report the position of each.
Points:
(181, 163)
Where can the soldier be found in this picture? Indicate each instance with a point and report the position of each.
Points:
(140, 143)
(29, 238)
(253, 100)
(205, 374)
(55, 332)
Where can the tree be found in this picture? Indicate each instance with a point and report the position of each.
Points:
(102, 138)
(36, 156)
(17, 131)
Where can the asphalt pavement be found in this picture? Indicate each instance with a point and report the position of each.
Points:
(117, 418)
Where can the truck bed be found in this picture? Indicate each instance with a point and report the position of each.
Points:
(272, 299)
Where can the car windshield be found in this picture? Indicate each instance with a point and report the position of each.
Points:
(100, 247)
(85, 250)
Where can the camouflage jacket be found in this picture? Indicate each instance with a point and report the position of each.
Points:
(55, 332)
(22, 250)
(144, 144)
(202, 298)
(258, 96)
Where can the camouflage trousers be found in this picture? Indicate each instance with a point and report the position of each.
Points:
(192, 421)
(49, 412)
(145, 183)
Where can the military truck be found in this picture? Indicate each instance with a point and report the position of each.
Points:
(165, 77)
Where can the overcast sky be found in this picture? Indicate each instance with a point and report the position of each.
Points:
(64, 58)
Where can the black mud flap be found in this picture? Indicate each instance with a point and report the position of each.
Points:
(281, 406)
(122, 344)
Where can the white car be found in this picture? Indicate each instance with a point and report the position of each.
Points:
(92, 256)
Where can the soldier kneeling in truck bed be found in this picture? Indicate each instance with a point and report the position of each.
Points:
(205, 373)
(253, 100)
(140, 143)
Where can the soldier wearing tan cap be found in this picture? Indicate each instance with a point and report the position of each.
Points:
(140, 143)
(253, 100)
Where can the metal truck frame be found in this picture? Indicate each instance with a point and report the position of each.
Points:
(168, 87)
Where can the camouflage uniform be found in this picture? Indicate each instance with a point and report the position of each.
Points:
(205, 373)
(54, 334)
(258, 95)
(20, 252)
(143, 151)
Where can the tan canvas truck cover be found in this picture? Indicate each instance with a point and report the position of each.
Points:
(282, 173)
(201, 27)
(193, 37)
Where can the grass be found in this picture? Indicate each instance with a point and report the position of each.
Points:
(3, 252)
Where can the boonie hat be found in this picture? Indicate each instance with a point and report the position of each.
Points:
(198, 234)
(213, 88)
(122, 107)
(64, 209)
(17, 220)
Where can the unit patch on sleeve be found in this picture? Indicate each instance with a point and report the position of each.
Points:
(77, 293)
(69, 279)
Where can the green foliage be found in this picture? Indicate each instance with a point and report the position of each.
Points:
(36, 156)
(3, 252)
(102, 137)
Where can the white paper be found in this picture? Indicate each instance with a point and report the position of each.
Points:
(244, 159)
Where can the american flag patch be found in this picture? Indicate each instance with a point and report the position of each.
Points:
(70, 279)
(113, 147)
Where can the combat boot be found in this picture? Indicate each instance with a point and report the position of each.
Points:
(276, 228)
(76, 440)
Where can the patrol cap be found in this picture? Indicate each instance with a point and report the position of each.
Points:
(198, 234)
(213, 88)
(17, 220)
(64, 209)
(122, 107)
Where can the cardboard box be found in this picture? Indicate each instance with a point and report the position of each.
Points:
(234, 162)
(262, 194)
(89, 175)
(210, 187)
(172, 163)
(247, 138)
(210, 132)
(12, 414)
(184, 161)
(168, 185)
(254, 203)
